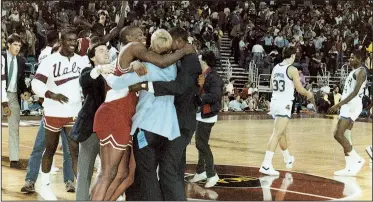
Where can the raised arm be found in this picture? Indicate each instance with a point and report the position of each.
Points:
(114, 32)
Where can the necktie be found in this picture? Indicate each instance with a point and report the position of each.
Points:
(11, 67)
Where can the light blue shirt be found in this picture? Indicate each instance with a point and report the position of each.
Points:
(153, 114)
(268, 40)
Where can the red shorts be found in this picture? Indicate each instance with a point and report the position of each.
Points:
(56, 124)
(113, 121)
(119, 140)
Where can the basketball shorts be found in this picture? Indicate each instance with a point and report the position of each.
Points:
(350, 111)
(280, 109)
(56, 124)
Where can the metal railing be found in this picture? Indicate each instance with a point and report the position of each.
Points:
(229, 71)
(344, 73)
(253, 73)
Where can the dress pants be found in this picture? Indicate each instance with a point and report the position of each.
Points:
(172, 167)
(13, 126)
(88, 151)
(146, 186)
(171, 158)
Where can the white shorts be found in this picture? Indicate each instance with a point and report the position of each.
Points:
(350, 111)
(281, 109)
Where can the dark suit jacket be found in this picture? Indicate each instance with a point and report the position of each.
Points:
(94, 96)
(21, 85)
(185, 88)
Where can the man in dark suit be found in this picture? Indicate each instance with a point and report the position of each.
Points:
(13, 84)
(93, 85)
(185, 88)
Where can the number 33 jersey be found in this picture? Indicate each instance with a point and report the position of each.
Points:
(350, 85)
(282, 85)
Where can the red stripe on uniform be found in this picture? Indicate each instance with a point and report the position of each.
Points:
(60, 82)
(41, 78)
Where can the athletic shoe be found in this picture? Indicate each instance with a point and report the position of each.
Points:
(28, 187)
(353, 166)
(358, 164)
(69, 186)
(289, 162)
(199, 177)
(212, 181)
(269, 170)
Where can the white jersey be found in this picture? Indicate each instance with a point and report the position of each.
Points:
(44, 53)
(350, 85)
(60, 75)
(282, 85)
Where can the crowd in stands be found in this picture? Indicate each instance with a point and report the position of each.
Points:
(259, 30)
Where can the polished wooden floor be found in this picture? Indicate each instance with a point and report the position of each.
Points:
(233, 142)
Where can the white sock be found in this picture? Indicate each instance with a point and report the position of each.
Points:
(45, 178)
(286, 154)
(268, 158)
(347, 134)
(353, 154)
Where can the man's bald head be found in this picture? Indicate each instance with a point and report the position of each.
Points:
(131, 34)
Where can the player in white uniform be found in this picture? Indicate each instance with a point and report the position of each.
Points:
(57, 80)
(351, 106)
(285, 78)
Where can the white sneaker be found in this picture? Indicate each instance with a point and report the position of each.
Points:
(199, 177)
(289, 162)
(357, 164)
(348, 170)
(269, 170)
(212, 181)
(46, 193)
(120, 198)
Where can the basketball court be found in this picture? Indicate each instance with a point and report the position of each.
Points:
(238, 142)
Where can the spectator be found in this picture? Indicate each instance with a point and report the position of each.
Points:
(335, 96)
(235, 105)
